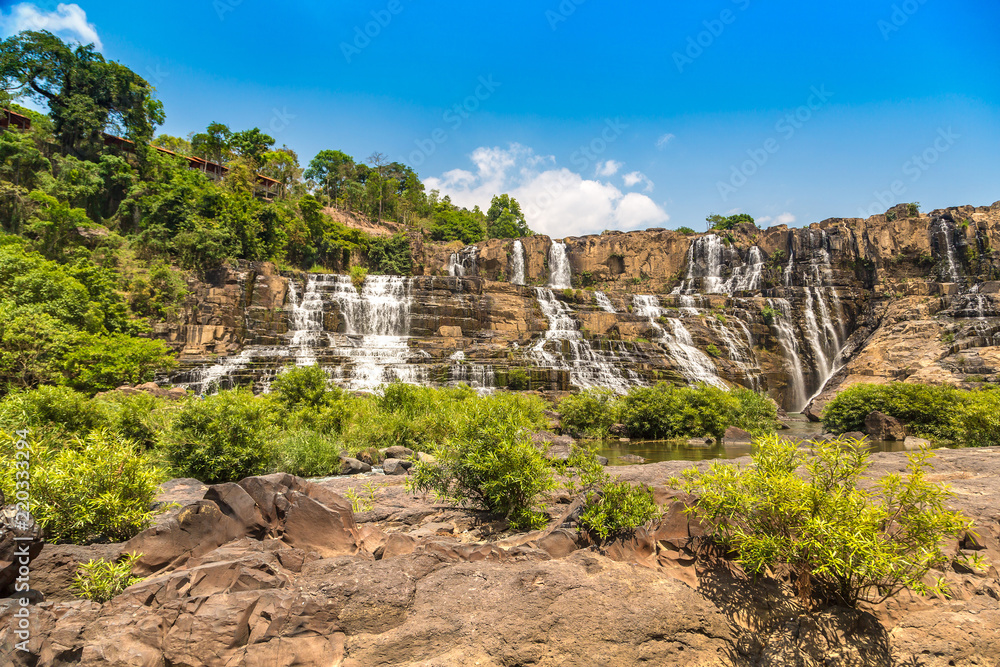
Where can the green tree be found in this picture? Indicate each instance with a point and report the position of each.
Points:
(723, 223)
(504, 219)
(251, 145)
(331, 169)
(85, 94)
(214, 144)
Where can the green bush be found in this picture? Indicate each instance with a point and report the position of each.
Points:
(308, 454)
(930, 411)
(100, 580)
(757, 413)
(51, 408)
(844, 542)
(518, 379)
(666, 411)
(618, 509)
(591, 412)
(490, 464)
(358, 276)
(97, 487)
(139, 417)
(222, 438)
(304, 386)
(977, 420)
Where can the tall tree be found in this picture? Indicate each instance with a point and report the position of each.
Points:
(251, 145)
(214, 143)
(379, 161)
(86, 94)
(504, 220)
(331, 170)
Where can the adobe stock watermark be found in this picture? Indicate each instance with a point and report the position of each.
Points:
(22, 521)
(914, 168)
(786, 127)
(363, 35)
(583, 159)
(223, 7)
(697, 44)
(280, 120)
(901, 13)
(562, 13)
(454, 117)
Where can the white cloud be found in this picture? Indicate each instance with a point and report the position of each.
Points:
(635, 178)
(556, 201)
(785, 218)
(664, 139)
(609, 168)
(67, 21)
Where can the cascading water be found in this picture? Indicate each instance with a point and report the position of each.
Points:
(375, 340)
(463, 262)
(823, 336)
(588, 367)
(560, 275)
(947, 248)
(604, 302)
(694, 364)
(747, 277)
(517, 263)
(782, 324)
(480, 377)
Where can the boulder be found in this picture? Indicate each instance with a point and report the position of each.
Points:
(393, 467)
(854, 435)
(631, 458)
(883, 427)
(398, 452)
(618, 430)
(912, 443)
(424, 457)
(555, 447)
(349, 466)
(736, 436)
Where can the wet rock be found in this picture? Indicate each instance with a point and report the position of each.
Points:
(853, 435)
(351, 466)
(631, 458)
(883, 427)
(736, 436)
(393, 467)
(555, 447)
(20, 543)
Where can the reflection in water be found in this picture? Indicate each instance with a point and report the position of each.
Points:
(684, 450)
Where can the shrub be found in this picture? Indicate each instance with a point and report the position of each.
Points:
(103, 363)
(686, 231)
(304, 386)
(591, 412)
(139, 417)
(490, 464)
(757, 413)
(518, 379)
(842, 543)
(308, 454)
(100, 580)
(666, 411)
(97, 487)
(929, 411)
(618, 508)
(58, 408)
(713, 350)
(222, 438)
(977, 420)
(358, 276)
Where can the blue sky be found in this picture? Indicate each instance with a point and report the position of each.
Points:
(595, 115)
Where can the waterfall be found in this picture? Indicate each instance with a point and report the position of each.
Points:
(782, 323)
(588, 367)
(747, 277)
(463, 262)
(560, 276)
(823, 336)
(376, 337)
(705, 261)
(694, 364)
(604, 302)
(944, 232)
(480, 377)
(743, 360)
(306, 321)
(517, 262)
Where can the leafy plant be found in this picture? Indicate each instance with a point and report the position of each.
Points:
(618, 508)
(713, 350)
(686, 231)
(843, 542)
(518, 379)
(489, 464)
(222, 438)
(358, 276)
(929, 411)
(591, 412)
(306, 386)
(100, 580)
(97, 487)
(769, 314)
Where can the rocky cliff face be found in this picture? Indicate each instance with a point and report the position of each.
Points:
(787, 311)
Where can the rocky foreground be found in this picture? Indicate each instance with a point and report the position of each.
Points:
(279, 571)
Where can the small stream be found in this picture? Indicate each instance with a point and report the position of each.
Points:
(799, 427)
